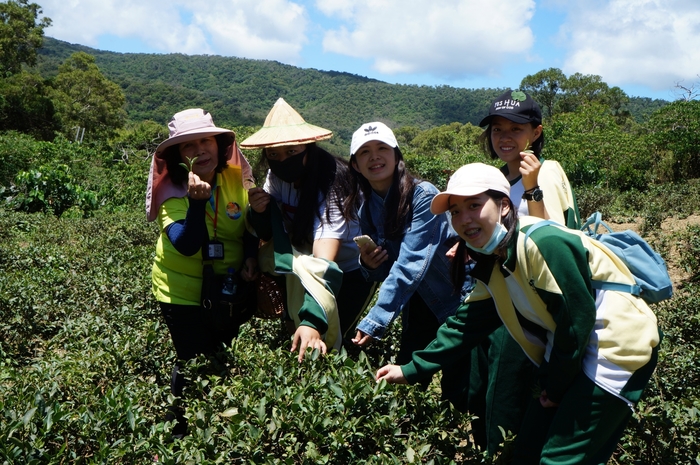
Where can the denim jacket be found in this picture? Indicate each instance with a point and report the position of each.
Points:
(417, 262)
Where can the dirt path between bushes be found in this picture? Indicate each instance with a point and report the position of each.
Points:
(668, 227)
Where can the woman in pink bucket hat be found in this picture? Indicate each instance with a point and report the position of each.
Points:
(197, 191)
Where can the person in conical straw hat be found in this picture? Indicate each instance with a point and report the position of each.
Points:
(301, 207)
(197, 193)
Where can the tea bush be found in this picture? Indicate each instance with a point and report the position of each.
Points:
(85, 363)
(85, 358)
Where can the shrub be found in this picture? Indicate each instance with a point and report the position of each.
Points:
(50, 188)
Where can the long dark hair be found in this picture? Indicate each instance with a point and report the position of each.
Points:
(325, 179)
(510, 221)
(398, 203)
(486, 145)
(179, 175)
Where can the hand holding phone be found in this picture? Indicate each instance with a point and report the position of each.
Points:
(365, 239)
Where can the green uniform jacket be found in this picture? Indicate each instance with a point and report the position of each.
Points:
(547, 304)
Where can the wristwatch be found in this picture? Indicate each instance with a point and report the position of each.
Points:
(535, 194)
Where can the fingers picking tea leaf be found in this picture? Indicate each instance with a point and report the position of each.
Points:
(191, 163)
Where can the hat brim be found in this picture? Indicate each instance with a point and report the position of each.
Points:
(192, 135)
(303, 133)
(440, 203)
(514, 118)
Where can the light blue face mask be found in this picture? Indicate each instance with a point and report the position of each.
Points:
(499, 232)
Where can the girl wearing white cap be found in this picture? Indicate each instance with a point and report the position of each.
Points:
(309, 185)
(412, 262)
(595, 349)
(410, 259)
(196, 192)
(538, 187)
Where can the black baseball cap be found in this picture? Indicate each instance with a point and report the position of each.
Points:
(516, 106)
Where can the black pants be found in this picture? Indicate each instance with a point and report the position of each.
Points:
(194, 331)
(418, 328)
(355, 293)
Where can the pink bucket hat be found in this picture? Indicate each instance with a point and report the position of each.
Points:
(191, 124)
(187, 125)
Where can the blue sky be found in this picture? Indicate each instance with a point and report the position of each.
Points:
(645, 47)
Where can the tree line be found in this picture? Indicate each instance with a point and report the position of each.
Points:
(117, 106)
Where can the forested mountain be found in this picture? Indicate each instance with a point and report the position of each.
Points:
(241, 91)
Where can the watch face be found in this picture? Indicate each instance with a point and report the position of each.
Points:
(536, 195)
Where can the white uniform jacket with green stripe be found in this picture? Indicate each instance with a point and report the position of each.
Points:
(559, 199)
(549, 307)
(311, 283)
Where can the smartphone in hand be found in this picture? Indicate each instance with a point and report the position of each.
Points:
(365, 239)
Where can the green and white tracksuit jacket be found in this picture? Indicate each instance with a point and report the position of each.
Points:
(311, 283)
(549, 307)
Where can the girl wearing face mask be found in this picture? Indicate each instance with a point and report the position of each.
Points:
(413, 265)
(595, 349)
(309, 185)
(514, 134)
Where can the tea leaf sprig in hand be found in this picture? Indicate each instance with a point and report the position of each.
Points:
(191, 162)
(528, 147)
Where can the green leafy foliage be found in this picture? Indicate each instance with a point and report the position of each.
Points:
(594, 150)
(85, 358)
(434, 154)
(85, 362)
(240, 92)
(545, 87)
(26, 107)
(675, 133)
(689, 251)
(20, 35)
(50, 188)
(85, 98)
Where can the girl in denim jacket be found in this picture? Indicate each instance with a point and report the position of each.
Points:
(412, 261)
(412, 244)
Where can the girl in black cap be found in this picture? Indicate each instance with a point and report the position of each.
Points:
(500, 374)
(514, 134)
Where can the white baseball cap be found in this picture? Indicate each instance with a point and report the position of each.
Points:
(372, 131)
(469, 180)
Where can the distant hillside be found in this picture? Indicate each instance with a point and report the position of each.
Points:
(240, 92)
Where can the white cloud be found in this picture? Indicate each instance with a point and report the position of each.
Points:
(651, 43)
(267, 29)
(450, 38)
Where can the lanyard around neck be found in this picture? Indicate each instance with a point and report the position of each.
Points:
(214, 202)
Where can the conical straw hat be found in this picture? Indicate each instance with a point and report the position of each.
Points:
(284, 126)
